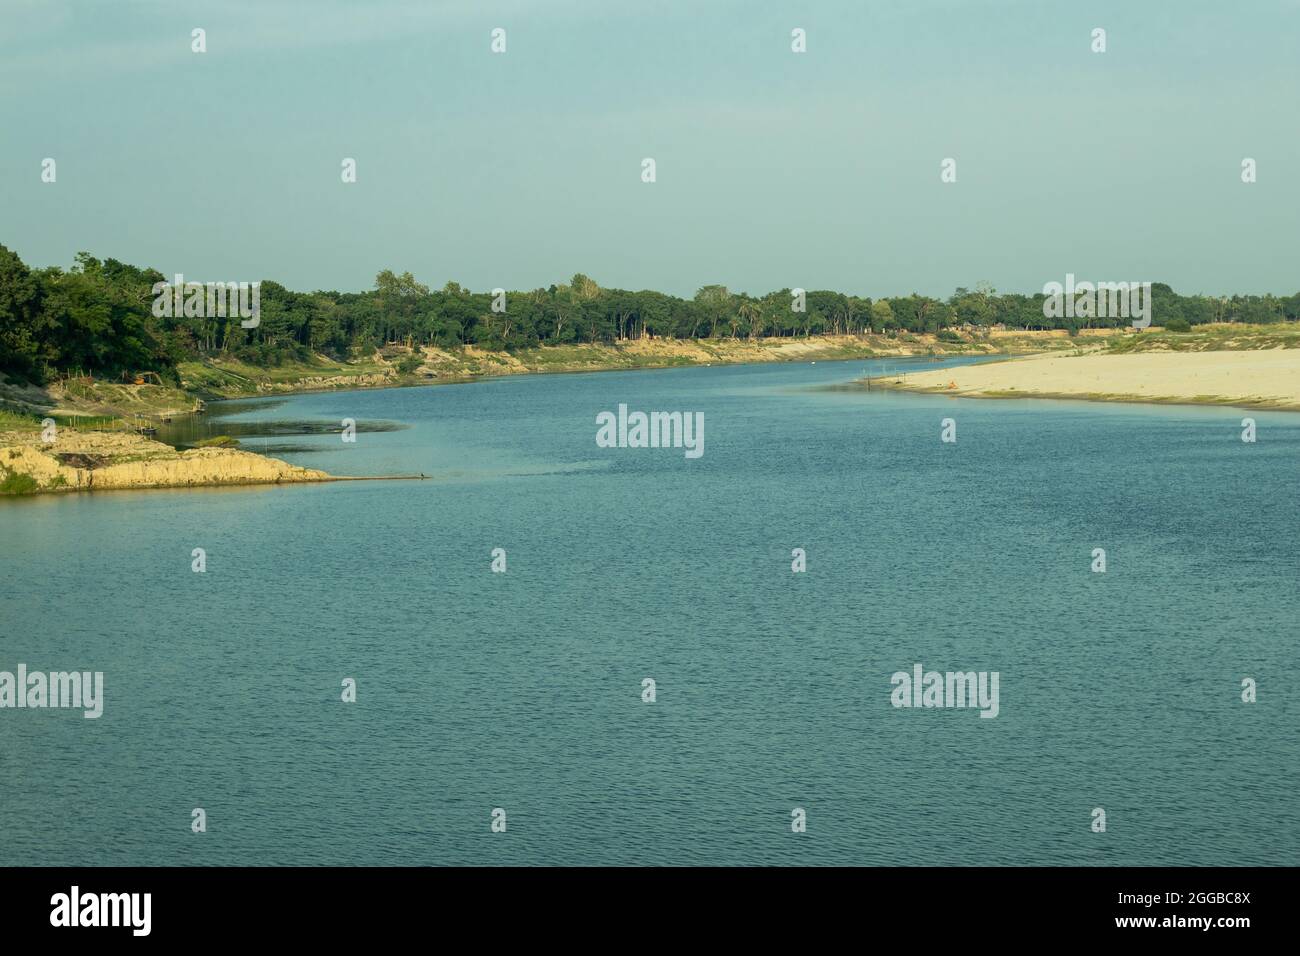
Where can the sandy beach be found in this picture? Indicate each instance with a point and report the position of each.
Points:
(1253, 379)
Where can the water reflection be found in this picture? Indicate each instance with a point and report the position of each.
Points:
(188, 431)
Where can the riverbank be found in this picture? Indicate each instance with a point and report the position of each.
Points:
(1268, 379)
(100, 461)
(670, 353)
(127, 405)
(401, 366)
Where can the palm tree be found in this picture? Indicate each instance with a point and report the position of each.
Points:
(750, 311)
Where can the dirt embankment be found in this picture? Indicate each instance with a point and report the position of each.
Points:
(96, 461)
(223, 376)
(470, 362)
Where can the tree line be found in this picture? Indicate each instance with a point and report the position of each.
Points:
(98, 317)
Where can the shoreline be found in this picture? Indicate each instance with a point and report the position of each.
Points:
(1196, 379)
(224, 378)
(79, 461)
(469, 364)
(1106, 367)
(1245, 404)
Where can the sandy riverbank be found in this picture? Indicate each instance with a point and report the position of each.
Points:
(223, 376)
(1250, 379)
(666, 353)
(396, 365)
(97, 461)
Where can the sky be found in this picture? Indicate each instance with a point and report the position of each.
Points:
(774, 169)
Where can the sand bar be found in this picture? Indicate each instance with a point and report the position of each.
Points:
(1254, 379)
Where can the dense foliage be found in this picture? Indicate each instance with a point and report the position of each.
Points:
(97, 317)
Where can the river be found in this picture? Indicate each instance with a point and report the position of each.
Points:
(525, 691)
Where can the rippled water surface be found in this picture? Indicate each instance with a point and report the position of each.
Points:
(522, 690)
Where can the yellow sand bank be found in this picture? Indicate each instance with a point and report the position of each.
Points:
(1268, 379)
(85, 461)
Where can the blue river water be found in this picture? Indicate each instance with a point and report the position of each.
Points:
(523, 690)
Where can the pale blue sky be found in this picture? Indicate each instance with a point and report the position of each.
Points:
(818, 170)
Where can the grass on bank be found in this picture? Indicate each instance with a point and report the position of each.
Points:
(17, 483)
(1225, 337)
(230, 376)
(12, 421)
(17, 421)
